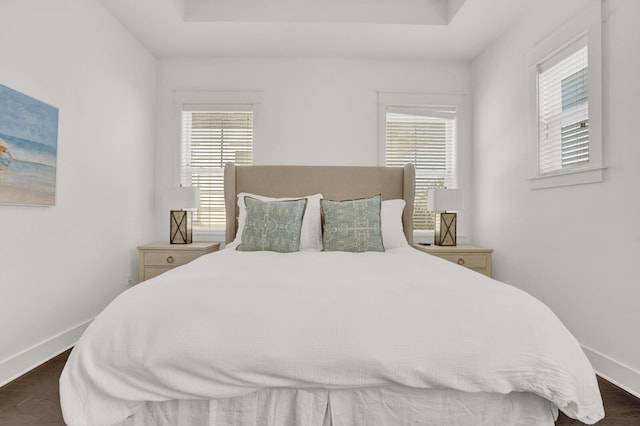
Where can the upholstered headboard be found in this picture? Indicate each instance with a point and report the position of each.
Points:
(334, 182)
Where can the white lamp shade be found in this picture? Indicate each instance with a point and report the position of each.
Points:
(181, 198)
(441, 200)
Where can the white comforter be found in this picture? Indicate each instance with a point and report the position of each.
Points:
(232, 322)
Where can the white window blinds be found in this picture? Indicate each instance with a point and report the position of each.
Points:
(425, 137)
(211, 138)
(563, 109)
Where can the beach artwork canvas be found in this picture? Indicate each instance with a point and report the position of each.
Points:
(28, 149)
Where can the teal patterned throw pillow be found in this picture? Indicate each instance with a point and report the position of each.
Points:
(352, 225)
(272, 225)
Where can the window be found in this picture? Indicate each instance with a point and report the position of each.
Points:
(209, 140)
(212, 128)
(566, 122)
(210, 137)
(563, 110)
(426, 137)
(575, 136)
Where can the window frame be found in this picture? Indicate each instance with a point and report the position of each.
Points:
(213, 100)
(419, 101)
(586, 24)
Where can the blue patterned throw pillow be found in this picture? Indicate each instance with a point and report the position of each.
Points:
(272, 225)
(352, 225)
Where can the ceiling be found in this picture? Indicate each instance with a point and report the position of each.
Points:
(417, 29)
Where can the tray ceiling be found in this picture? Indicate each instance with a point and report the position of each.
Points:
(434, 29)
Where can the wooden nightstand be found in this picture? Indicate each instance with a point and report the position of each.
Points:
(467, 255)
(156, 258)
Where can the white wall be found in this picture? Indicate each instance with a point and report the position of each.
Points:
(576, 248)
(314, 111)
(59, 266)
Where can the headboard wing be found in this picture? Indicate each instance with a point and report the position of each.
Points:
(334, 182)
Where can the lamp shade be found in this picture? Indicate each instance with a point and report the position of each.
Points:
(181, 198)
(441, 200)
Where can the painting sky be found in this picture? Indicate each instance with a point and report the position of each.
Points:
(27, 118)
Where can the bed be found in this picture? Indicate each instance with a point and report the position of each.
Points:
(251, 337)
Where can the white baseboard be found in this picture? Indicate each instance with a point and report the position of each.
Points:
(25, 361)
(619, 374)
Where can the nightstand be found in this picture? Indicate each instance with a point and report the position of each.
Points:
(156, 258)
(467, 255)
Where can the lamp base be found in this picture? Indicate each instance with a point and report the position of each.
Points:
(446, 229)
(180, 227)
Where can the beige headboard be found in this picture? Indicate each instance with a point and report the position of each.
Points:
(334, 182)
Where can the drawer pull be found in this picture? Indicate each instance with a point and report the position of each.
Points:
(170, 259)
(461, 261)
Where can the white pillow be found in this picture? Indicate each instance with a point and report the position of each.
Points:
(311, 231)
(391, 224)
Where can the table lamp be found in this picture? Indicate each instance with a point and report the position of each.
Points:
(440, 201)
(178, 200)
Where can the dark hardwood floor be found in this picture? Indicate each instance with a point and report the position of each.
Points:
(33, 400)
(620, 408)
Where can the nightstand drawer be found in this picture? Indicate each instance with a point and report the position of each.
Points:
(475, 261)
(156, 258)
(169, 258)
(153, 271)
(467, 255)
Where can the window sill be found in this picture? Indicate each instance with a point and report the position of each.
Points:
(209, 235)
(574, 177)
(422, 236)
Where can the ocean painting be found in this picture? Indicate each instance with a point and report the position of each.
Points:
(28, 149)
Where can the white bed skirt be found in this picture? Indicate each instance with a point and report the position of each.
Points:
(388, 406)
